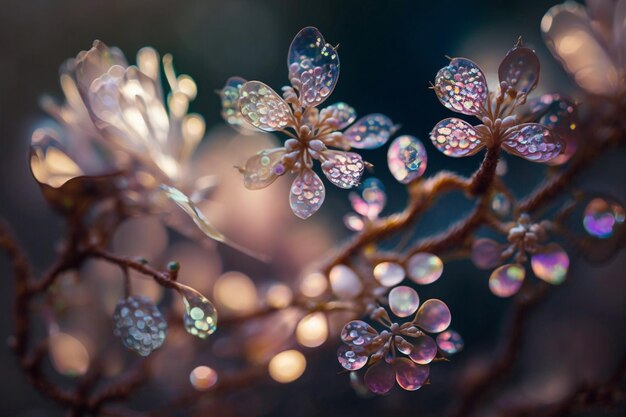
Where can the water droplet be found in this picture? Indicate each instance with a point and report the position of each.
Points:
(506, 280)
(450, 342)
(602, 216)
(370, 199)
(424, 350)
(486, 253)
(351, 357)
(551, 264)
(200, 318)
(389, 273)
(410, 375)
(424, 268)
(407, 159)
(140, 325)
(434, 316)
(403, 301)
(344, 282)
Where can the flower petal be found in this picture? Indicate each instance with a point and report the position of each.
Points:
(380, 378)
(342, 113)
(344, 169)
(95, 62)
(406, 158)
(533, 142)
(520, 69)
(49, 161)
(461, 87)
(370, 198)
(410, 375)
(486, 253)
(307, 194)
(370, 132)
(433, 316)
(358, 333)
(424, 350)
(570, 37)
(263, 108)
(229, 95)
(263, 168)
(351, 357)
(313, 66)
(403, 301)
(455, 137)
(507, 280)
(551, 264)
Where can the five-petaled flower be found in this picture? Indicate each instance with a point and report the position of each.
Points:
(461, 86)
(313, 72)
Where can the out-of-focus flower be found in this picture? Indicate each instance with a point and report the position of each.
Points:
(461, 86)
(368, 201)
(313, 72)
(383, 351)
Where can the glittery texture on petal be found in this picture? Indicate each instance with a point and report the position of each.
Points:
(229, 95)
(351, 357)
(406, 158)
(533, 142)
(520, 69)
(341, 113)
(263, 168)
(344, 169)
(358, 333)
(307, 194)
(313, 67)
(263, 108)
(455, 137)
(370, 132)
(461, 86)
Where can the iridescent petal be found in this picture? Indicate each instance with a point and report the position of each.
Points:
(342, 114)
(403, 301)
(380, 378)
(602, 216)
(507, 280)
(344, 169)
(389, 274)
(424, 350)
(450, 342)
(410, 375)
(370, 132)
(533, 142)
(229, 95)
(200, 318)
(461, 87)
(486, 253)
(351, 357)
(307, 194)
(358, 333)
(406, 158)
(433, 316)
(520, 69)
(313, 66)
(455, 137)
(370, 199)
(424, 268)
(551, 264)
(263, 168)
(263, 108)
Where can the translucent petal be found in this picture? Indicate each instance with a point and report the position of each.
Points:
(433, 316)
(370, 132)
(533, 142)
(49, 161)
(570, 37)
(370, 199)
(353, 222)
(351, 357)
(520, 69)
(344, 282)
(263, 108)
(342, 113)
(551, 264)
(486, 253)
(229, 95)
(410, 375)
(455, 138)
(403, 301)
(507, 280)
(450, 342)
(461, 87)
(91, 64)
(344, 169)
(389, 273)
(380, 378)
(140, 325)
(307, 194)
(602, 216)
(200, 318)
(424, 268)
(358, 333)
(263, 168)
(406, 158)
(424, 350)
(313, 66)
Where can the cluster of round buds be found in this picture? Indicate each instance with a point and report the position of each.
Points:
(401, 352)
(548, 261)
(140, 324)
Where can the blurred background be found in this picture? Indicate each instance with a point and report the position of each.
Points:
(389, 51)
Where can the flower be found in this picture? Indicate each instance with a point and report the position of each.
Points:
(461, 87)
(313, 72)
(382, 352)
(549, 262)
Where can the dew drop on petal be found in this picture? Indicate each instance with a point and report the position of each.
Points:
(520, 69)
(307, 194)
(456, 138)
(450, 342)
(351, 357)
(380, 378)
(533, 142)
(200, 317)
(342, 113)
(370, 198)
(424, 350)
(343, 169)
(389, 273)
(433, 316)
(263, 108)
(344, 282)
(486, 253)
(507, 280)
(370, 132)
(403, 301)
(602, 217)
(424, 268)
(551, 264)
(353, 222)
(461, 86)
(410, 375)
(407, 158)
(358, 333)
(140, 325)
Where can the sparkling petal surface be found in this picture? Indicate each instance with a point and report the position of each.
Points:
(370, 132)
(351, 357)
(461, 86)
(358, 333)
(455, 137)
(506, 280)
(602, 216)
(560, 115)
(433, 316)
(424, 350)
(380, 378)
(534, 142)
(551, 264)
(486, 253)
(263, 108)
(520, 69)
(229, 95)
(307, 194)
(450, 342)
(410, 375)
(342, 113)
(140, 325)
(403, 301)
(407, 158)
(424, 268)
(370, 199)
(313, 66)
(389, 273)
(200, 317)
(263, 168)
(344, 169)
